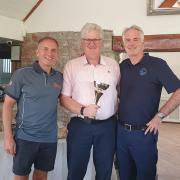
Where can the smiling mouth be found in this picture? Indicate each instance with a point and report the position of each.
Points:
(49, 59)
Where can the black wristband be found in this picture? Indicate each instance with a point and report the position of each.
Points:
(82, 110)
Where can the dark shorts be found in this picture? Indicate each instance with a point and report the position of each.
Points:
(42, 155)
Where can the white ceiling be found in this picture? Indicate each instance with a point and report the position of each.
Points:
(17, 9)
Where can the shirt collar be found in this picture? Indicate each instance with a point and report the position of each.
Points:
(38, 68)
(144, 60)
(102, 61)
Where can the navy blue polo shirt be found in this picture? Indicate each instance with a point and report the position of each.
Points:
(36, 93)
(141, 87)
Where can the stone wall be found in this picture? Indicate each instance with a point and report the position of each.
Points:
(69, 48)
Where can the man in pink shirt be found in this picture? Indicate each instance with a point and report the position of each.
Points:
(89, 93)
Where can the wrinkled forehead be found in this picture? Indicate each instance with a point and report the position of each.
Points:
(47, 43)
(133, 34)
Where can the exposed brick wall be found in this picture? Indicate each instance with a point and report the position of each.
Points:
(69, 46)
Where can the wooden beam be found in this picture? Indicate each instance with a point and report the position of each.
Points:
(167, 4)
(152, 43)
(32, 10)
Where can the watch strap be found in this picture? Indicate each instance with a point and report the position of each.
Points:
(82, 110)
(161, 115)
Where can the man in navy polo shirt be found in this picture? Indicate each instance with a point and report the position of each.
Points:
(142, 79)
(36, 90)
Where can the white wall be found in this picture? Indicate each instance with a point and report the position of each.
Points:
(11, 28)
(65, 15)
(172, 59)
(71, 15)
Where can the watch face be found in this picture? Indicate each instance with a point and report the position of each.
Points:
(161, 115)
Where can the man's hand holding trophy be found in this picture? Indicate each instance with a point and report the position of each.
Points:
(90, 111)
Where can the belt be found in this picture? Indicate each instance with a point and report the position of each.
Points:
(93, 121)
(131, 127)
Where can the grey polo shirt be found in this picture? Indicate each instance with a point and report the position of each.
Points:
(36, 94)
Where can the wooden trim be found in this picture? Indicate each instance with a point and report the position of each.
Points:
(167, 4)
(153, 43)
(171, 122)
(32, 10)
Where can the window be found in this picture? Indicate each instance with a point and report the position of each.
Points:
(5, 70)
(7, 67)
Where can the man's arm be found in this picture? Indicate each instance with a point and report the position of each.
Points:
(172, 103)
(75, 107)
(166, 109)
(7, 115)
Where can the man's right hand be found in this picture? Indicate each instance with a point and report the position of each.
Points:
(10, 146)
(90, 110)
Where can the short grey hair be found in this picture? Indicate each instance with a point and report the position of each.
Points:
(135, 27)
(91, 27)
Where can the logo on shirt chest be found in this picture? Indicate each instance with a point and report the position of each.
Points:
(143, 71)
(56, 85)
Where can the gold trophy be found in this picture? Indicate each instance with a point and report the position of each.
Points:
(99, 88)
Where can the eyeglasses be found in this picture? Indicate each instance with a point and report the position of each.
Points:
(88, 41)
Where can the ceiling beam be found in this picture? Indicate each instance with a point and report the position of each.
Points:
(32, 10)
(167, 4)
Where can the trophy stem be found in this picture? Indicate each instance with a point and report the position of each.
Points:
(98, 94)
(99, 88)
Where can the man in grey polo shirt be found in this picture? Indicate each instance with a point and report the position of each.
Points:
(36, 90)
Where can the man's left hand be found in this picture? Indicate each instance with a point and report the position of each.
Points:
(153, 125)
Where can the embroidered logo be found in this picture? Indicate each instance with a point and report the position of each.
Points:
(143, 71)
(56, 85)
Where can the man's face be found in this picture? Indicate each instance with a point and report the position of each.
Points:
(92, 44)
(47, 53)
(133, 43)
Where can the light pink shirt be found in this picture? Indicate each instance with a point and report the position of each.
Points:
(79, 77)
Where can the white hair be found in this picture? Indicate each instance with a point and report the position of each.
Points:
(91, 27)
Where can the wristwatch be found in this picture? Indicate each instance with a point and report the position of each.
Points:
(161, 115)
(82, 110)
